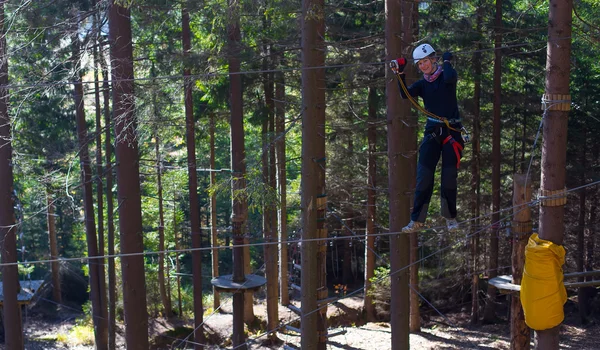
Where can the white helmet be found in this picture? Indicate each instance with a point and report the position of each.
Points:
(422, 51)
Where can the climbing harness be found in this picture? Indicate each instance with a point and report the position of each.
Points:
(462, 131)
(456, 146)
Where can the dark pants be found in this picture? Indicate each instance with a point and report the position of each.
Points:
(430, 150)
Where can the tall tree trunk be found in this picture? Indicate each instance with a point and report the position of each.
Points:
(213, 215)
(242, 302)
(177, 263)
(521, 229)
(555, 135)
(128, 176)
(162, 285)
(112, 276)
(314, 197)
(99, 311)
(580, 255)
(281, 184)
(56, 287)
(475, 202)
(489, 314)
(190, 137)
(415, 299)
(13, 329)
(371, 204)
(399, 172)
(269, 215)
(99, 187)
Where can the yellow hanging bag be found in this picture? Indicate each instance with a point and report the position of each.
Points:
(543, 292)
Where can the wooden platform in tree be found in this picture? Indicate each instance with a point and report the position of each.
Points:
(29, 289)
(226, 284)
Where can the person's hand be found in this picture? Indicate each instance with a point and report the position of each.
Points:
(447, 56)
(398, 65)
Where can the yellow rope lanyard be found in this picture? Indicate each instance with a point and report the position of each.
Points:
(421, 108)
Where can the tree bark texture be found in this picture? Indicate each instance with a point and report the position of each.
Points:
(400, 143)
(269, 210)
(238, 173)
(55, 265)
(521, 230)
(214, 252)
(190, 137)
(128, 177)
(97, 285)
(13, 329)
(368, 305)
(475, 201)
(162, 284)
(489, 314)
(314, 197)
(281, 185)
(112, 276)
(555, 135)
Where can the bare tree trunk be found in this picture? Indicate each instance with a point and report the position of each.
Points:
(476, 174)
(13, 329)
(56, 287)
(99, 311)
(269, 215)
(100, 189)
(489, 314)
(128, 192)
(177, 263)
(166, 301)
(242, 302)
(190, 137)
(555, 135)
(112, 276)
(580, 257)
(368, 305)
(314, 196)
(213, 215)
(415, 299)
(521, 230)
(281, 184)
(399, 172)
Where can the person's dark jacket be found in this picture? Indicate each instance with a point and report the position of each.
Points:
(439, 96)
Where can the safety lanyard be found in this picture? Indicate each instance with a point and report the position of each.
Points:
(421, 108)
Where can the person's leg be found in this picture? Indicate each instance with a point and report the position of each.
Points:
(451, 154)
(429, 155)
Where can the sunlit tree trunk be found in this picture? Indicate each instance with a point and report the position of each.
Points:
(13, 329)
(371, 203)
(128, 177)
(99, 311)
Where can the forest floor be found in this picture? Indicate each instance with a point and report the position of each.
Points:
(45, 331)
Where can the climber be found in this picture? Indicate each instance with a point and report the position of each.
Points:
(442, 134)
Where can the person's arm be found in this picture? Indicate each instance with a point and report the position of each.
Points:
(450, 75)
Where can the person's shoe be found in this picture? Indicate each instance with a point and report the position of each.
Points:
(452, 224)
(412, 226)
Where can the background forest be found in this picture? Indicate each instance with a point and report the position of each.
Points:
(58, 56)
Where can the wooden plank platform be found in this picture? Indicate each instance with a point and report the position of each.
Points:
(28, 291)
(225, 283)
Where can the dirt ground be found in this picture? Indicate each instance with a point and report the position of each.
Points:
(436, 333)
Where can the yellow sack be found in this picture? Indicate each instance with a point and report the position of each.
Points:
(543, 293)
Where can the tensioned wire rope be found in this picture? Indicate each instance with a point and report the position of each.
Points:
(216, 74)
(84, 258)
(525, 206)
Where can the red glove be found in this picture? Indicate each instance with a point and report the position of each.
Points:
(398, 65)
